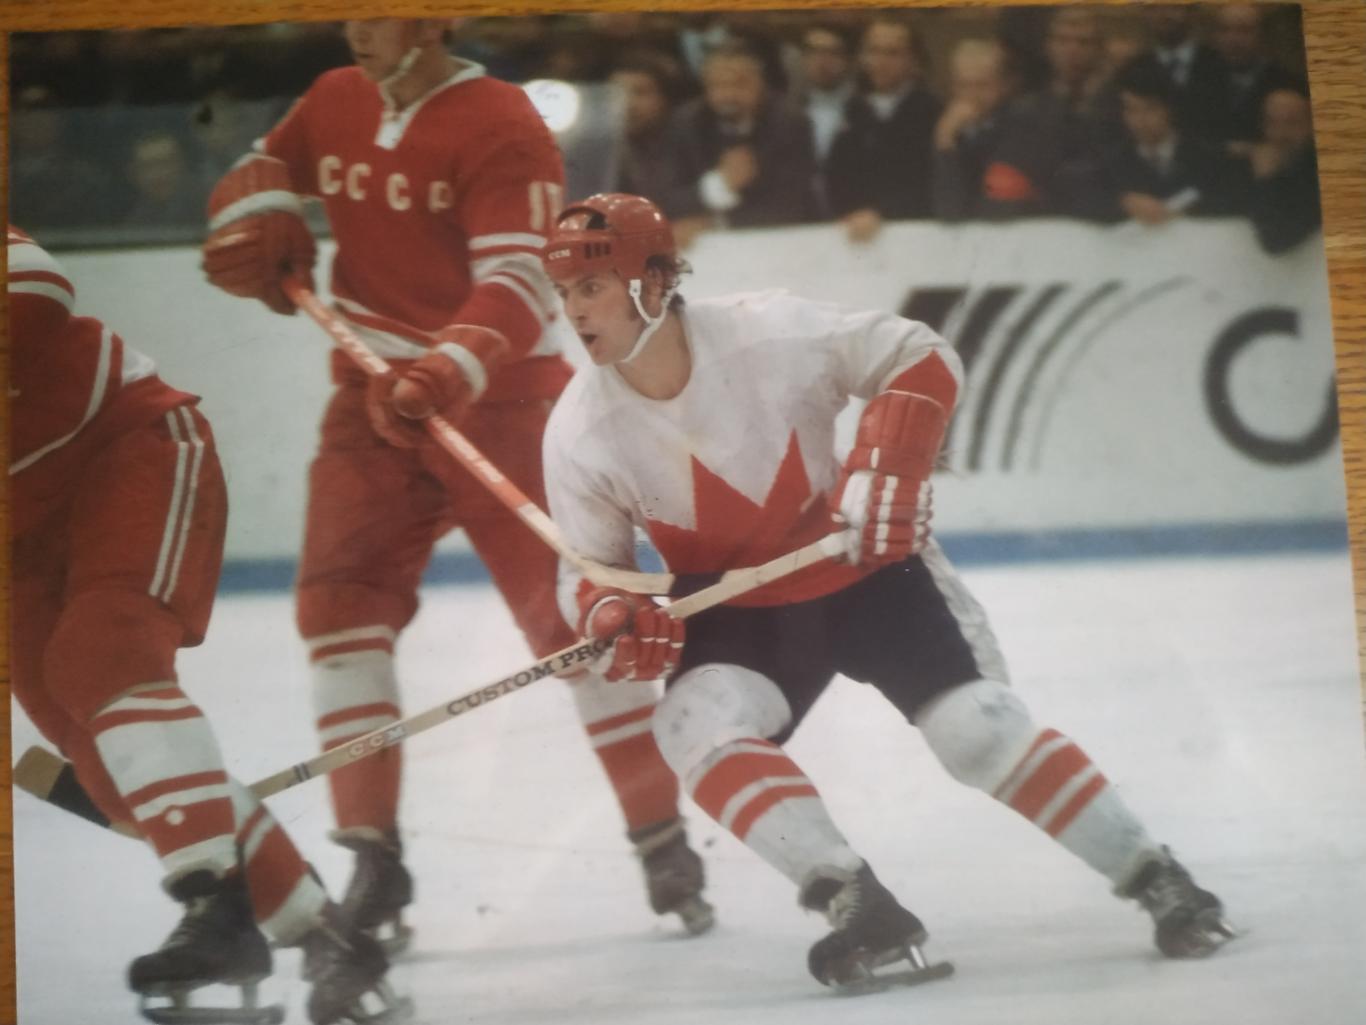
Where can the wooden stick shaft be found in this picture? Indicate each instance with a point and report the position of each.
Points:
(576, 656)
(468, 456)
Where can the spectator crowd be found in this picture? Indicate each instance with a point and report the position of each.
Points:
(1144, 114)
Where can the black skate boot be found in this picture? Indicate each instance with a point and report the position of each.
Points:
(380, 887)
(216, 942)
(871, 931)
(346, 967)
(1190, 921)
(673, 874)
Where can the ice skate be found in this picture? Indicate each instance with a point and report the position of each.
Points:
(216, 942)
(871, 931)
(379, 889)
(673, 875)
(346, 968)
(1190, 921)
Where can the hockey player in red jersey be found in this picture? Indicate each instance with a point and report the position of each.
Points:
(118, 514)
(439, 183)
(712, 426)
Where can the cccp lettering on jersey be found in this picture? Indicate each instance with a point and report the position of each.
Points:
(358, 182)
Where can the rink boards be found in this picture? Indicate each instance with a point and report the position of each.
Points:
(1128, 391)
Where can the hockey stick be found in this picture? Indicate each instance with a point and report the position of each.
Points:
(455, 443)
(38, 769)
(51, 778)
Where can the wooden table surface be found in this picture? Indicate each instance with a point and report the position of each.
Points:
(1335, 31)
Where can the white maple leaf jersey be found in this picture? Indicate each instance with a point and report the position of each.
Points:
(734, 470)
(439, 210)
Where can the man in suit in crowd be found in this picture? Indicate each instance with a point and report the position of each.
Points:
(1049, 158)
(741, 157)
(969, 130)
(880, 165)
(1196, 71)
(827, 82)
(1160, 172)
(1285, 173)
(648, 84)
(1239, 38)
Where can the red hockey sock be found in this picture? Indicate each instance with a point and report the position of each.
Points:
(645, 787)
(752, 788)
(161, 754)
(619, 720)
(285, 896)
(355, 692)
(1052, 784)
(750, 777)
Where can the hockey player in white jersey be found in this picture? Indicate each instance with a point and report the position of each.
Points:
(711, 427)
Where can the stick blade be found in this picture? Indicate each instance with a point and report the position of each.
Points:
(51, 778)
(38, 771)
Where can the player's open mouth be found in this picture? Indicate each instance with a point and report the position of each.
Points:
(588, 340)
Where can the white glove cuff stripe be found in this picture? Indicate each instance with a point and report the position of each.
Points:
(469, 365)
(599, 604)
(274, 200)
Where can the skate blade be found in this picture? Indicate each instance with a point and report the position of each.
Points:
(697, 915)
(380, 1006)
(865, 978)
(181, 1012)
(1214, 932)
(272, 1015)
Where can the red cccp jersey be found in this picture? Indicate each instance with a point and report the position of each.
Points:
(74, 385)
(439, 211)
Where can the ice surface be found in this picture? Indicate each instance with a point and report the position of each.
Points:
(1220, 694)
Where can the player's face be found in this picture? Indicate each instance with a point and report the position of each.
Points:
(600, 309)
(378, 44)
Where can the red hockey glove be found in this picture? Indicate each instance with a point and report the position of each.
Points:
(445, 382)
(257, 234)
(884, 491)
(648, 640)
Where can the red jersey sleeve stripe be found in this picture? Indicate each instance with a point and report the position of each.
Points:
(523, 289)
(33, 272)
(42, 282)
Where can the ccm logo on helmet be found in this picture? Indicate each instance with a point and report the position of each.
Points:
(559, 254)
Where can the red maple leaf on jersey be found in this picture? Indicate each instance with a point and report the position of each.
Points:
(732, 530)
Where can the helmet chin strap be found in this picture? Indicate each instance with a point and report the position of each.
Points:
(405, 65)
(651, 323)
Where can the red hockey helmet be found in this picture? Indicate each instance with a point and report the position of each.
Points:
(609, 231)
